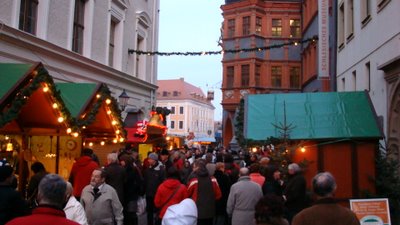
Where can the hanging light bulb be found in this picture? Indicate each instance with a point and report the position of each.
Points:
(69, 130)
(60, 119)
(75, 134)
(117, 131)
(302, 149)
(90, 144)
(45, 89)
(102, 143)
(108, 101)
(115, 141)
(98, 96)
(55, 106)
(114, 122)
(121, 139)
(108, 112)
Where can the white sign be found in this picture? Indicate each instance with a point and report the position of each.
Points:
(323, 38)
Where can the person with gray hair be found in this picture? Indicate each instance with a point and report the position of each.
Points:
(294, 193)
(116, 175)
(242, 199)
(73, 209)
(51, 198)
(325, 210)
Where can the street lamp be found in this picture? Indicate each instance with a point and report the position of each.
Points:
(123, 99)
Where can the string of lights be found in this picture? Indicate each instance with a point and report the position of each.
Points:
(233, 51)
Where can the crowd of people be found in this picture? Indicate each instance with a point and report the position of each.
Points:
(181, 186)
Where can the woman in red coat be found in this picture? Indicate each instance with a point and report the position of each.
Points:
(170, 192)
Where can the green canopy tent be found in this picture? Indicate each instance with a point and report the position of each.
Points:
(322, 115)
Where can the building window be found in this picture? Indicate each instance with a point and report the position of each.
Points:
(246, 25)
(180, 125)
(231, 28)
(173, 110)
(181, 110)
(294, 77)
(341, 26)
(258, 76)
(258, 25)
(77, 37)
(230, 70)
(28, 16)
(164, 93)
(382, 4)
(276, 76)
(343, 84)
(245, 75)
(139, 61)
(276, 27)
(111, 44)
(368, 74)
(294, 28)
(175, 93)
(354, 73)
(172, 124)
(365, 11)
(350, 19)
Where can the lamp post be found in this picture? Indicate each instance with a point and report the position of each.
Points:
(123, 100)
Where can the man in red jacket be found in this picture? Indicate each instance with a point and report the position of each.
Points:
(81, 172)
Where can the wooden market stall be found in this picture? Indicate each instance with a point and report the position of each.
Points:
(50, 122)
(336, 132)
(33, 116)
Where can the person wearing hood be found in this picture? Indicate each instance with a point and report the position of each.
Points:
(184, 213)
(204, 190)
(170, 192)
(154, 175)
(81, 172)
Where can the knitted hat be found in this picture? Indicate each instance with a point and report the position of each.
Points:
(153, 156)
(5, 170)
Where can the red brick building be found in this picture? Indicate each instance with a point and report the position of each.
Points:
(258, 23)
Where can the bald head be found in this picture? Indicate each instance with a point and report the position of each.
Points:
(244, 172)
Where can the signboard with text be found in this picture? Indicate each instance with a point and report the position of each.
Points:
(371, 211)
(323, 39)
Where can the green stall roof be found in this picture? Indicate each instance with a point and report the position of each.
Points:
(10, 73)
(321, 115)
(76, 95)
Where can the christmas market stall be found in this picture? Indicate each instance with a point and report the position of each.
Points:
(96, 118)
(33, 118)
(51, 123)
(336, 132)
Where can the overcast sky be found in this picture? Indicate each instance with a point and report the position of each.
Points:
(192, 26)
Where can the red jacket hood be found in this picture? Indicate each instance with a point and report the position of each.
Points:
(172, 183)
(83, 161)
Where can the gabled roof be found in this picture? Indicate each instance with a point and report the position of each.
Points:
(322, 115)
(94, 110)
(178, 89)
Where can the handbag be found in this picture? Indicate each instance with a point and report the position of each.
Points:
(140, 205)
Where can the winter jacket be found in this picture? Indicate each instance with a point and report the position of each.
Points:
(116, 177)
(258, 178)
(242, 200)
(11, 204)
(44, 215)
(153, 177)
(204, 190)
(224, 184)
(295, 193)
(81, 173)
(326, 211)
(165, 191)
(184, 213)
(74, 211)
(106, 209)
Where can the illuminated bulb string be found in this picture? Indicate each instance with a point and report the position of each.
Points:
(202, 53)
